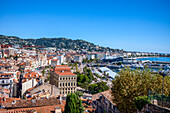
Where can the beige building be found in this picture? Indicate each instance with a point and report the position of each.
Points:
(62, 77)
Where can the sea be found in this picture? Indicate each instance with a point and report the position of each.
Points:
(164, 59)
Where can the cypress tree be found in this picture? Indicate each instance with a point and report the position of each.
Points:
(73, 104)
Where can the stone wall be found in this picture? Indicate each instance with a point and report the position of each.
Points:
(47, 88)
(53, 79)
(165, 104)
(151, 108)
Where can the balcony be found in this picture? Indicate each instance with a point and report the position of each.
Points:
(5, 83)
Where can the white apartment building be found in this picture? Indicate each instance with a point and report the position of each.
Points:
(61, 59)
(78, 58)
(7, 81)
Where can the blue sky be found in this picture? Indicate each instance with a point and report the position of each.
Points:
(132, 25)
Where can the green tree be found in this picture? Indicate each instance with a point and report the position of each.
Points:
(98, 65)
(76, 67)
(104, 72)
(79, 93)
(133, 83)
(107, 74)
(88, 72)
(92, 88)
(140, 101)
(73, 104)
(43, 72)
(82, 78)
(98, 87)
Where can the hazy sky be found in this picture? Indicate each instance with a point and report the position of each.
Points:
(135, 25)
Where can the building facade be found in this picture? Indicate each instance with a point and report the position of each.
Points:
(104, 103)
(62, 77)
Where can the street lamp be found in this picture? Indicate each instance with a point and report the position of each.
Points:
(163, 73)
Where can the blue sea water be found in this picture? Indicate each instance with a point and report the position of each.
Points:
(164, 59)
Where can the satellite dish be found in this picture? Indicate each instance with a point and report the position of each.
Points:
(33, 101)
(13, 102)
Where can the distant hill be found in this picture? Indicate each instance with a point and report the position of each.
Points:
(55, 42)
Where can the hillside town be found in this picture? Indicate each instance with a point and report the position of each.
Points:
(39, 79)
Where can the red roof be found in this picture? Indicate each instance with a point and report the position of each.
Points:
(55, 60)
(65, 73)
(60, 68)
(23, 63)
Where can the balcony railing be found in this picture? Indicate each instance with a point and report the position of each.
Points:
(5, 83)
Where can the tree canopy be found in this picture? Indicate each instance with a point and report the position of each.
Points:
(98, 87)
(85, 78)
(73, 104)
(133, 83)
(140, 101)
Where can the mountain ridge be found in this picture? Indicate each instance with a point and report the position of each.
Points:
(60, 42)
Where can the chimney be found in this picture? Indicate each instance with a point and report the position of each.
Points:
(58, 109)
(60, 99)
(62, 71)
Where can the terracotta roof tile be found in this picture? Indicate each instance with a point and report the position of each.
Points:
(54, 60)
(108, 95)
(65, 73)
